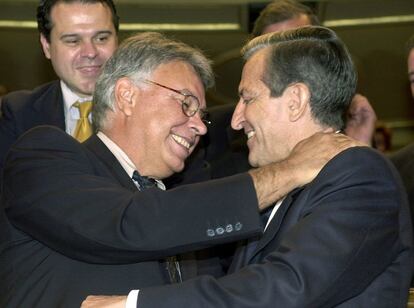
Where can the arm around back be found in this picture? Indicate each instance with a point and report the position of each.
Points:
(61, 194)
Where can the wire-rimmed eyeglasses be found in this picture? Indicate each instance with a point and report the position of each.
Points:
(190, 105)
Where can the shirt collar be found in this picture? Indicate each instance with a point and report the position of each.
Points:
(121, 156)
(70, 97)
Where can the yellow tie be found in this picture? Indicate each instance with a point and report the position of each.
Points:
(83, 129)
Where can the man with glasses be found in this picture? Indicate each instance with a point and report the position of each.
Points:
(93, 218)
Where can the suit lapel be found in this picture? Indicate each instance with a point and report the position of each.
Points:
(48, 107)
(274, 227)
(95, 145)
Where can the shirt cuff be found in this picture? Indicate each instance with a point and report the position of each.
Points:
(132, 299)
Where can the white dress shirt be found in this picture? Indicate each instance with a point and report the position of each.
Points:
(122, 158)
(71, 112)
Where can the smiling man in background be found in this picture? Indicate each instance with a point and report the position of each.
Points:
(77, 37)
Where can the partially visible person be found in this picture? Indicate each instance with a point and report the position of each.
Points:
(77, 36)
(360, 120)
(344, 239)
(92, 217)
(404, 158)
(280, 15)
(410, 63)
(3, 91)
(382, 139)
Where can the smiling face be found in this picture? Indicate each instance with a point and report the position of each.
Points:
(82, 38)
(264, 119)
(157, 136)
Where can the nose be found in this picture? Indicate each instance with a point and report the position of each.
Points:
(197, 124)
(89, 50)
(238, 116)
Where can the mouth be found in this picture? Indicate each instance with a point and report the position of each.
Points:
(182, 141)
(90, 70)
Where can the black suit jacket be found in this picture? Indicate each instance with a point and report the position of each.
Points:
(73, 223)
(22, 110)
(404, 162)
(344, 240)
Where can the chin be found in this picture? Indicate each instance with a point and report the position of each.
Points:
(177, 168)
(253, 162)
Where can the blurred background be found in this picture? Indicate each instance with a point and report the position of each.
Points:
(375, 32)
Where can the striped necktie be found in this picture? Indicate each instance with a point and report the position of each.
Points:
(171, 263)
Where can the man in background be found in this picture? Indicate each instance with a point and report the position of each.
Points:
(404, 158)
(77, 37)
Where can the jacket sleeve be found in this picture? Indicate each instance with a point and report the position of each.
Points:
(346, 235)
(55, 194)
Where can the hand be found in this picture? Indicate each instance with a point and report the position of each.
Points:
(307, 158)
(93, 301)
(310, 155)
(361, 120)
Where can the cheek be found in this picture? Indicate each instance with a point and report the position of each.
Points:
(63, 56)
(107, 50)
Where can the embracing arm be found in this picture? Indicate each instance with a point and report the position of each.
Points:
(276, 180)
(347, 235)
(59, 194)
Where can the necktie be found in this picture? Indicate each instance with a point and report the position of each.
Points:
(83, 129)
(171, 263)
(144, 182)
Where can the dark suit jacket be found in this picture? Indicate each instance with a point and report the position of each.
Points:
(344, 240)
(404, 162)
(22, 110)
(74, 224)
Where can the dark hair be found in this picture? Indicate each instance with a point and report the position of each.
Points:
(316, 57)
(45, 24)
(281, 10)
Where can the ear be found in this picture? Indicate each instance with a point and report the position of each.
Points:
(45, 46)
(299, 99)
(124, 95)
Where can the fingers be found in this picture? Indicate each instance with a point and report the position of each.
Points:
(93, 301)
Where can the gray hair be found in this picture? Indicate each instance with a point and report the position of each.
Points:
(137, 58)
(316, 57)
